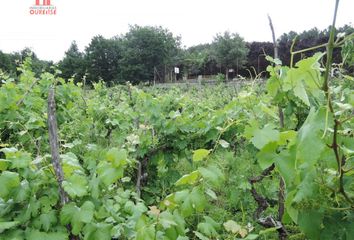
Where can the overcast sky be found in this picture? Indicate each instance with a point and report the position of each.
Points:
(196, 21)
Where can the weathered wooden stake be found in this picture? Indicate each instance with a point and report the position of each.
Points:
(281, 195)
(54, 145)
(54, 149)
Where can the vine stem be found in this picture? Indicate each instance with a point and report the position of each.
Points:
(28, 91)
(336, 150)
(309, 49)
(330, 47)
(292, 53)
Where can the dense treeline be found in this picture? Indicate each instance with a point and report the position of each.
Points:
(10, 62)
(147, 54)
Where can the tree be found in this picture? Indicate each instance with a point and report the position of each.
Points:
(147, 50)
(10, 62)
(307, 39)
(230, 51)
(6, 63)
(102, 58)
(73, 64)
(284, 45)
(38, 66)
(256, 56)
(199, 60)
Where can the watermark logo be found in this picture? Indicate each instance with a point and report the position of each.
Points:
(43, 7)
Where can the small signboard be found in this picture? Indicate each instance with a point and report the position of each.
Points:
(176, 70)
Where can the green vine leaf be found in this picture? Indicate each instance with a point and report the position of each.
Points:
(76, 185)
(77, 216)
(190, 179)
(200, 154)
(262, 137)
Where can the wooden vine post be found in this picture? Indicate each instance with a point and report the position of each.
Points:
(262, 202)
(54, 149)
(281, 195)
(275, 44)
(54, 145)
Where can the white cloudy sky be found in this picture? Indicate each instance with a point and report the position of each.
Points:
(196, 21)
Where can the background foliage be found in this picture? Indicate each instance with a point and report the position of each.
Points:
(146, 53)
